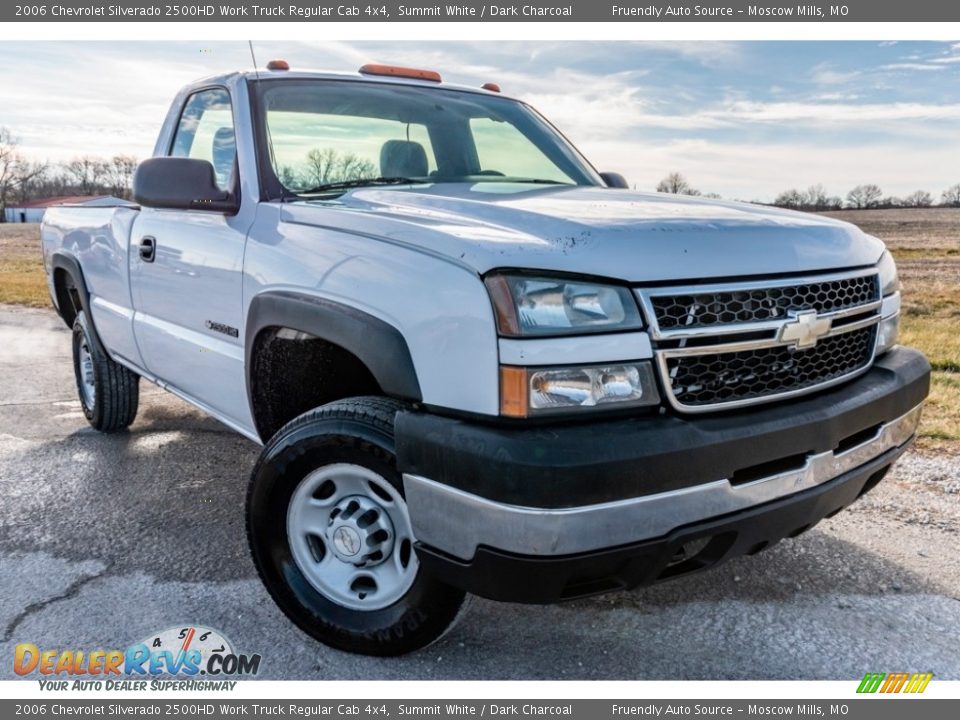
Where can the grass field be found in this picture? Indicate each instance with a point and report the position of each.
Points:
(926, 244)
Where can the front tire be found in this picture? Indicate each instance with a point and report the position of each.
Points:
(331, 538)
(109, 392)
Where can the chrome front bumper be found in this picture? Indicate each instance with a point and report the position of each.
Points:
(457, 522)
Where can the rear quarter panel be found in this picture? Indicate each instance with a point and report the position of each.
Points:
(99, 239)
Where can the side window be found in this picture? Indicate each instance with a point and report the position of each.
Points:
(205, 132)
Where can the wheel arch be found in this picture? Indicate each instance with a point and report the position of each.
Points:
(375, 344)
(71, 293)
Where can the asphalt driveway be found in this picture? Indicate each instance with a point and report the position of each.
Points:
(106, 539)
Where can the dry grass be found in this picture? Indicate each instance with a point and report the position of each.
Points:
(927, 230)
(22, 280)
(926, 244)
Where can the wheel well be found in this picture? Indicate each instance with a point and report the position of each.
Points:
(68, 296)
(292, 372)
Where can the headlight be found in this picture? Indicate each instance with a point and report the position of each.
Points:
(889, 328)
(538, 391)
(552, 306)
(887, 333)
(889, 282)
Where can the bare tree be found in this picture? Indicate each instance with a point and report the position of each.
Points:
(329, 166)
(353, 167)
(792, 198)
(918, 199)
(119, 175)
(951, 196)
(29, 176)
(288, 176)
(319, 166)
(816, 197)
(87, 173)
(18, 176)
(676, 184)
(9, 159)
(864, 196)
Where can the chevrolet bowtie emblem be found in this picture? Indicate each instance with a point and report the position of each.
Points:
(805, 329)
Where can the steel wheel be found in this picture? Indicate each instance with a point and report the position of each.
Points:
(350, 535)
(88, 380)
(331, 537)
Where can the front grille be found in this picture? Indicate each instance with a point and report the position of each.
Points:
(711, 379)
(712, 308)
(740, 343)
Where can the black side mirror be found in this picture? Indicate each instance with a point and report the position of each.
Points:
(615, 180)
(181, 184)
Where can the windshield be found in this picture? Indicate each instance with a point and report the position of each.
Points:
(325, 135)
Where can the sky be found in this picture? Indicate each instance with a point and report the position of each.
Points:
(746, 120)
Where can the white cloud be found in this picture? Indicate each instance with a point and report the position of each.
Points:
(823, 74)
(859, 114)
(104, 99)
(705, 52)
(912, 66)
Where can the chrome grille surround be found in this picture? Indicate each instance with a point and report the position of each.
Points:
(781, 344)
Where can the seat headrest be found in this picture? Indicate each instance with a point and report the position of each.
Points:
(403, 158)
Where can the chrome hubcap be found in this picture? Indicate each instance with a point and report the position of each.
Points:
(88, 385)
(350, 536)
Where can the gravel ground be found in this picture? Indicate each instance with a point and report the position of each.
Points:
(105, 539)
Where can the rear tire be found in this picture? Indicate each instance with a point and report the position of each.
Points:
(331, 538)
(109, 392)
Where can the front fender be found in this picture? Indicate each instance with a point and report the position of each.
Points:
(377, 344)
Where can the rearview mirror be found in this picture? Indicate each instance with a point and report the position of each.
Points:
(615, 180)
(181, 184)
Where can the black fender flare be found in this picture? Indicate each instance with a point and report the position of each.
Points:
(376, 343)
(60, 260)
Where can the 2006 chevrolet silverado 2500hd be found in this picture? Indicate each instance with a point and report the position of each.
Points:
(477, 365)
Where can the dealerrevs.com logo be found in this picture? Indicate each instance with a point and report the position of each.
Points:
(186, 653)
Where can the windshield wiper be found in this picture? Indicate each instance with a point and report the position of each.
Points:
(362, 182)
(537, 181)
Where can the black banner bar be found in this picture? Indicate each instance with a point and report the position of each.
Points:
(213, 708)
(892, 11)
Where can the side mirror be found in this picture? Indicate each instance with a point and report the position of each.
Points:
(181, 184)
(615, 180)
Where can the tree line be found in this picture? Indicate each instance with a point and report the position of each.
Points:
(864, 197)
(23, 179)
(816, 197)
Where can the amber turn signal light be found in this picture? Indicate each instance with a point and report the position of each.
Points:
(513, 391)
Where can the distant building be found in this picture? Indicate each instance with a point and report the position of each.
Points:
(32, 211)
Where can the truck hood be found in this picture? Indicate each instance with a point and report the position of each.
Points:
(631, 236)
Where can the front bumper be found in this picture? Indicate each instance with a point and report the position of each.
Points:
(541, 514)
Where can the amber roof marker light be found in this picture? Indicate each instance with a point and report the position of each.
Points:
(278, 65)
(403, 72)
(492, 87)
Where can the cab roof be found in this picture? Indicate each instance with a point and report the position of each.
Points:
(371, 77)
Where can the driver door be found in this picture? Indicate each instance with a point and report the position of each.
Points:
(186, 275)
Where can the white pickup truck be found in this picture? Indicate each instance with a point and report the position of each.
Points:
(476, 364)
